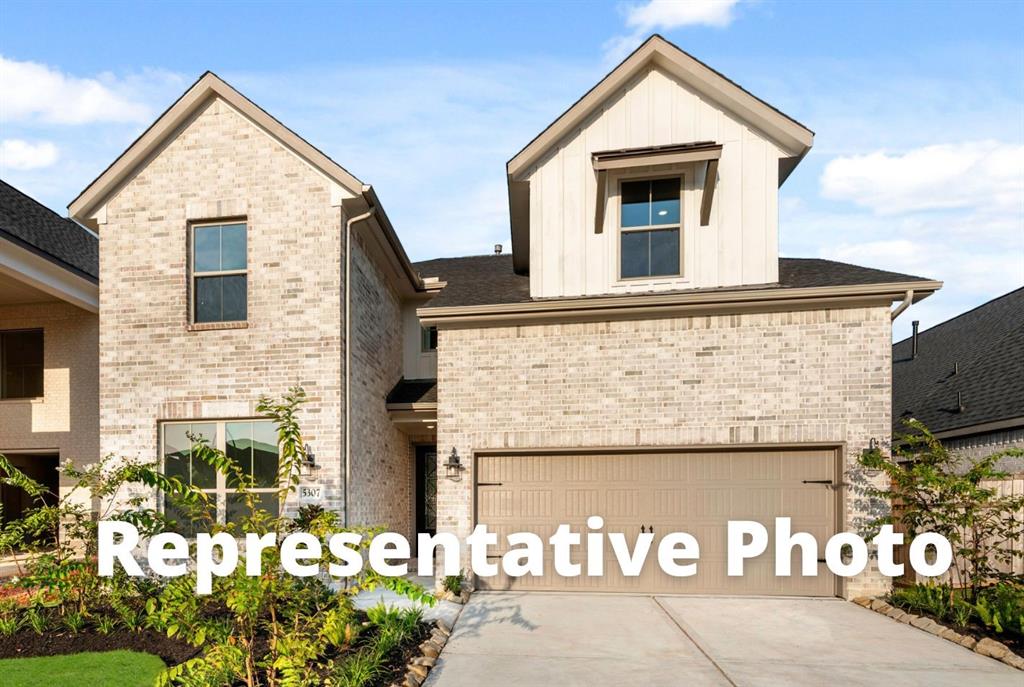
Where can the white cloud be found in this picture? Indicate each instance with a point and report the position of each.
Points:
(18, 154)
(672, 14)
(980, 174)
(30, 91)
(665, 15)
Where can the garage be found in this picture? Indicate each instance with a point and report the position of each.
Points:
(661, 492)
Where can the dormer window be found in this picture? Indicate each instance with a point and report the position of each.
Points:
(649, 228)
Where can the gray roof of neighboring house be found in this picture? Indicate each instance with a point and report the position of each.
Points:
(489, 279)
(414, 391)
(986, 345)
(33, 226)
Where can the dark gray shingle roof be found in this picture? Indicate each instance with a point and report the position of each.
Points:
(489, 279)
(34, 226)
(986, 345)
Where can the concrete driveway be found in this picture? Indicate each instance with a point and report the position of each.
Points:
(542, 639)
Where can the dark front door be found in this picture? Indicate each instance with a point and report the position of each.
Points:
(426, 489)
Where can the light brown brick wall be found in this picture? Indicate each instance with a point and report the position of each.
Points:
(382, 469)
(814, 376)
(66, 420)
(152, 367)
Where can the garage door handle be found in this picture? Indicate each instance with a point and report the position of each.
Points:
(488, 484)
(819, 481)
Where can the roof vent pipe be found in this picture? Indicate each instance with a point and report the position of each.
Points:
(960, 407)
(497, 249)
(913, 340)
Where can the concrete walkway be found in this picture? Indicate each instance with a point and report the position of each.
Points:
(591, 639)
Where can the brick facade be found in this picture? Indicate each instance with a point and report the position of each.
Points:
(154, 366)
(66, 419)
(769, 378)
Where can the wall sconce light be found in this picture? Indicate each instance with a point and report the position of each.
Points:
(453, 467)
(309, 458)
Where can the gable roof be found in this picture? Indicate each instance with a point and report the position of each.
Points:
(31, 225)
(207, 87)
(792, 136)
(491, 280)
(985, 348)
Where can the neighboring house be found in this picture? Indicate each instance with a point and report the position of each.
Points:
(964, 379)
(49, 269)
(644, 354)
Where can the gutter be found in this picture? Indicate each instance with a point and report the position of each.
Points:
(348, 349)
(675, 304)
(908, 298)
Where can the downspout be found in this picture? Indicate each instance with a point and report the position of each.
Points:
(348, 350)
(908, 298)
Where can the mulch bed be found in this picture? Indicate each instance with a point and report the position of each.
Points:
(27, 643)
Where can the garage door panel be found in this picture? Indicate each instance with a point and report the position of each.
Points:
(695, 492)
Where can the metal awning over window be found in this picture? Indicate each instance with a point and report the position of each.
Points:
(626, 158)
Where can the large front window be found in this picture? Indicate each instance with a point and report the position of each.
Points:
(649, 226)
(21, 364)
(252, 444)
(219, 273)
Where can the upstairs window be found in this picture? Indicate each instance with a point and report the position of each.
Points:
(428, 339)
(21, 364)
(649, 229)
(219, 273)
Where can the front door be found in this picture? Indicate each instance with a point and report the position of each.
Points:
(426, 489)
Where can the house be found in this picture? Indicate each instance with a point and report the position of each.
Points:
(643, 354)
(49, 336)
(964, 379)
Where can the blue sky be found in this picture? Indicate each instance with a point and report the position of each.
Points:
(918, 163)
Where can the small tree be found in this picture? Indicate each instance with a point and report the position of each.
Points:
(934, 491)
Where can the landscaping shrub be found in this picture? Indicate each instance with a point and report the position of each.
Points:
(998, 608)
(272, 630)
(936, 492)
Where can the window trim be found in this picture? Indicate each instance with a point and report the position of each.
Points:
(628, 177)
(194, 274)
(221, 491)
(42, 336)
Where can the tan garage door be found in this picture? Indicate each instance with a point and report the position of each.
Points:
(684, 491)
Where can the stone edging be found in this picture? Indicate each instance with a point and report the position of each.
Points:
(430, 649)
(985, 646)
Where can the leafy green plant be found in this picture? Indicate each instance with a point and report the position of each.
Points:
(453, 583)
(105, 624)
(933, 491)
(10, 623)
(961, 613)
(1001, 608)
(357, 669)
(37, 620)
(74, 621)
(930, 598)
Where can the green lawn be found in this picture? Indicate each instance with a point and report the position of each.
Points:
(101, 669)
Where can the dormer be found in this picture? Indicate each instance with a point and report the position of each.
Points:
(664, 176)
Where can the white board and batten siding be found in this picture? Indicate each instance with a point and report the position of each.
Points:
(740, 244)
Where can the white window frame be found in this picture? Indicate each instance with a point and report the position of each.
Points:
(196, 274)
(626, 178)
(221, 490)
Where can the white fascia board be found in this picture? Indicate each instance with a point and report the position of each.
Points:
(39, 273)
